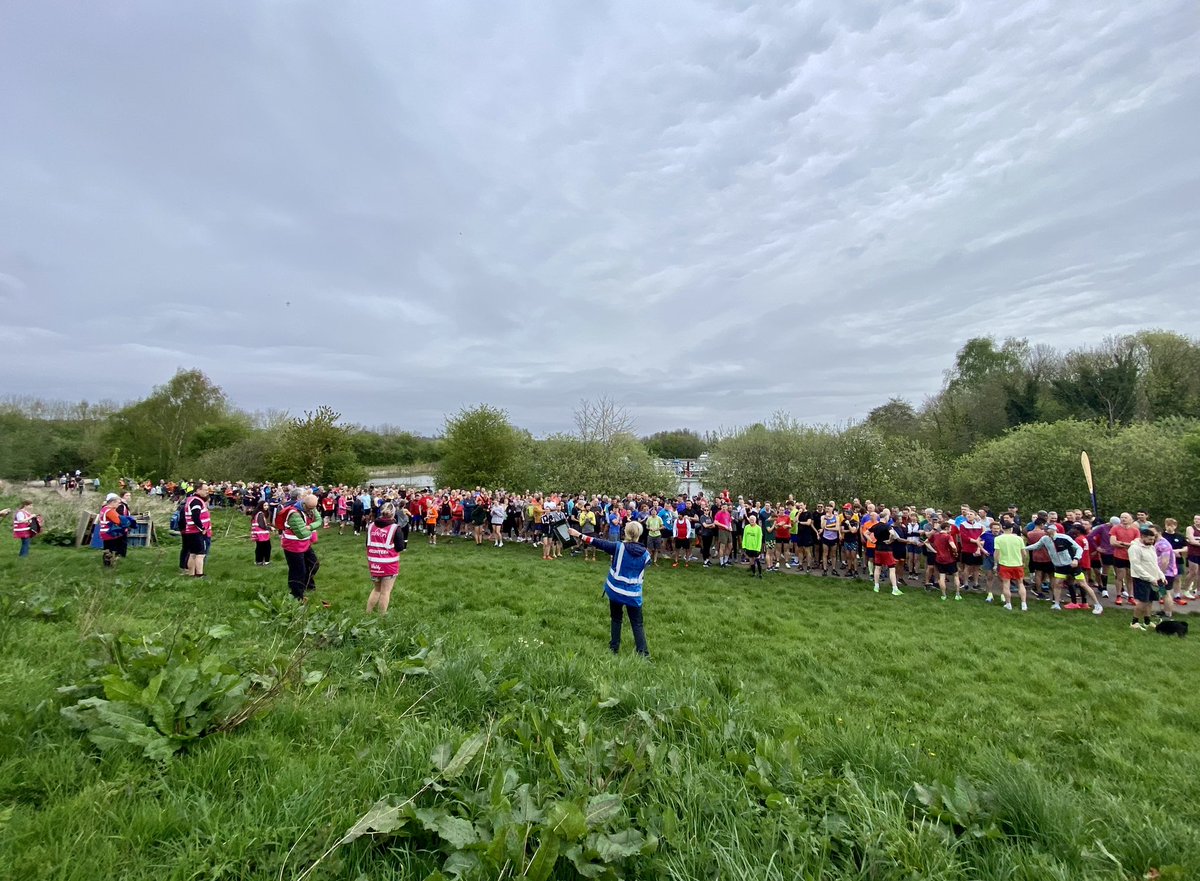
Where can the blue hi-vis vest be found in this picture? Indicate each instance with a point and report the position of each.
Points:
(629, 561)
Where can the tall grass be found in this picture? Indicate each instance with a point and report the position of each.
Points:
(781, 731)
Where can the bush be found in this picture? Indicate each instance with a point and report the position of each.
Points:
(1145, 466)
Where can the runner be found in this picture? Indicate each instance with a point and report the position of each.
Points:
(1064, 554)
(752, 544)
(1123, 535)
(848, 531)
(970, 543)
(1009, 551)
(829, 541)
(724, 521)
(497, 514)
(1192, 538)
(1144, 573)
(945, 554)
(887, 542)
(587, 527)
(682, 532)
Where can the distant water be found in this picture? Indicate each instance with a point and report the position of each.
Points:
(689, 485)
(412, 480)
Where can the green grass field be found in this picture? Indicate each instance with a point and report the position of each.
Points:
(786, 728)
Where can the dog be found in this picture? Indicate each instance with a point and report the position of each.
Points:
(1171, 627)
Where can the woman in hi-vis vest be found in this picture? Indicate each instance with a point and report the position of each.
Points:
(385, 541)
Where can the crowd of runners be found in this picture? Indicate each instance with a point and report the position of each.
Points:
(1072, 560)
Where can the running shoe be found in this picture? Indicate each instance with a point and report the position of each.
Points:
(1098, 609)
(944, 598)
(1119, 601)
(1056, 608)
(1008, 607)
(1104, 593)
(1024, 607)
(1137, 625)
(877, 588)
(897, 592)
(989, 598)
(958, 596)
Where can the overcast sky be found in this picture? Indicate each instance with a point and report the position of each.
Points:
(708, 211)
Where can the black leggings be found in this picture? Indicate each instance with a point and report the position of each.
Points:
(706, 543)
(262, 552)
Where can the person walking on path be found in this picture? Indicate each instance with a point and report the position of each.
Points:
(623, 584)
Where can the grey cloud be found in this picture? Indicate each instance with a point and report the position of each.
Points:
(449, 202)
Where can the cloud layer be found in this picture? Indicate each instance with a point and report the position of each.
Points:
(706, 210)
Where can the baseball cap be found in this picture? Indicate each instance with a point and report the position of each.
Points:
(847, 507)
(1147, 530)
(111, 497)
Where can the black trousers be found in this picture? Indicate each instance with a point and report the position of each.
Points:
(706, 543)
(117, 546)
(616, 611)
(302, 571)
(262, 552)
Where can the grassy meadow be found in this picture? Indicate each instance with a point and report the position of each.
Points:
(791, 727)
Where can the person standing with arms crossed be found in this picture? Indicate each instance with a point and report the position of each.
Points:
(623, 584)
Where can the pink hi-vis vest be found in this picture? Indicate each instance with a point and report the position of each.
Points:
(382, 556)
(258, 532)
(288, 539)
(22, 528)
(190, 527)
(106, 525)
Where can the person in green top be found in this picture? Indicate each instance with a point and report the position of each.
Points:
(1009, 554)
(654, 528)
(752, 544)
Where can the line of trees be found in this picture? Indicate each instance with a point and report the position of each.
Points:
(187, 427)
(1007, 426)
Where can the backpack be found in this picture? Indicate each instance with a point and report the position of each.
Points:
(177, 519)
(281, 517)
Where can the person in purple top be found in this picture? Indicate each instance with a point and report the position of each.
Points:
(1100, 538)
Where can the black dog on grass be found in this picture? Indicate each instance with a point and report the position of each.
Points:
(1171, 627)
